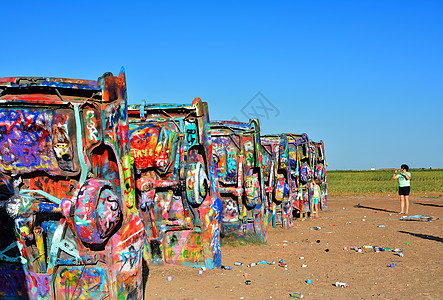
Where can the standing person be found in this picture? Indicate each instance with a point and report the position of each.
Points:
(404, 186)
(315, 197)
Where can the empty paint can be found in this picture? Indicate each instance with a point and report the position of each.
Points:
(296, 295)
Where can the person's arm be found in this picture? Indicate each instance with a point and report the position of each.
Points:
(407, 176)
(394, 176)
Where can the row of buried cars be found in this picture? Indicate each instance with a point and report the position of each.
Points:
(93, 191)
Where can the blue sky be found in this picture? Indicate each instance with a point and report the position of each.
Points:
(366, 77)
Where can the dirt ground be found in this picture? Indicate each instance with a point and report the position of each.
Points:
(418, 274)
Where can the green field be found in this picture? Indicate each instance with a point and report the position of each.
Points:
(424, 183)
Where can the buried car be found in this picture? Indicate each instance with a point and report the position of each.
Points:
(278, 179)
(237, 153)
(70, 225)
(301, 161)
(319, 164)
(176, 183)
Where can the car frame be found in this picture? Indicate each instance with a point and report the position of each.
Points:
(277, 176)
(319, 169)
(237, 153)
(71, 228)
(303, 157)
(176, 183)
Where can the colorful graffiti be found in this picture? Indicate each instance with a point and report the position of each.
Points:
(303, 172)
(91, 189)
(279, 182)
(319, 164)
(239, 161)
(70, 226)
(176, 183)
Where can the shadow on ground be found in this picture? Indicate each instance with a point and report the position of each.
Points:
(374, 208)
(424, 236)
(428, 204)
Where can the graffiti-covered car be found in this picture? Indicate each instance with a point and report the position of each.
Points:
(301, 161)
(238, 157)
(175, 177)
(318, 161)
(278, 179)
(70, 226)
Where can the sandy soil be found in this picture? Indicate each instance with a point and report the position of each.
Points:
(418, 274)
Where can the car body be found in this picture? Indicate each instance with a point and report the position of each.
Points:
(71, 228)
(319, 169)
(176, 183)
(237, 153)
(278, 179)
(301, 160)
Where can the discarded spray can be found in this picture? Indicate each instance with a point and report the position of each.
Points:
(398, 250)
(237, 263)
(387, 249)
(316, 228)
(381, 225)
(261, 262)
(283, 265)
(252, 265)
(280, 261)
(296, 295)
(169, 278)
(226, 267)
(341, 284)
(200, 272)
(309, 281)
(400, 254)
(392, 265)
(248, 282)
(271, 262)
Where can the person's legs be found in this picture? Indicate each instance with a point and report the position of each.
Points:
(402, 205)
(316, 210)
(407, 203)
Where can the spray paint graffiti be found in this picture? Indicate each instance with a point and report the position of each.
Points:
(176, 181)
(280, 184)
(319, 164)
(302, 160)
(239, 161)
(67, 195)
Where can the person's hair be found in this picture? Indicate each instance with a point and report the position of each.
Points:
(317, 181)
(405, 167)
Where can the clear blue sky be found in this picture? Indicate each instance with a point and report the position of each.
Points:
(366, 77)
